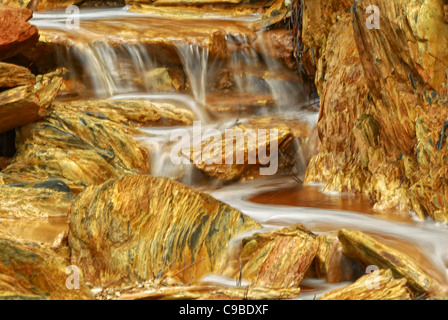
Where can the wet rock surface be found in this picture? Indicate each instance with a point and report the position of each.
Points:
(275, 259)
(379, 130)
(28, 271)
(141, 227)
(379, 285)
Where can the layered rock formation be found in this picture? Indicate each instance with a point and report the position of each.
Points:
(383, 95)
(275, 259)
(370, 251)
(259, 147)
(141, 228)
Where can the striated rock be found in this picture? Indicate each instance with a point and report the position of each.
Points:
(269, 11)
(33, 272)
(16, 34)
(245, 150)
(141, 228)
(379, 285)
(372, 252)
(215, 293)
(275, 259)
(379, 129)
(78, 147)
(37, 200)
(133, 112)
(13, 76)
(28, 103)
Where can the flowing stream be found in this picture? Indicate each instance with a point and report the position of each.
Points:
(128, 65)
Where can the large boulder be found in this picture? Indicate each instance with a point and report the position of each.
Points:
(142, 228)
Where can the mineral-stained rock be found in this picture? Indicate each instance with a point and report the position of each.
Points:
(379, 285)
(16, 34)
(215, 293)
(275, 259)
(379, 128)
(78, 147)
(45, 199)
(270, 11)
(141, 228)
(370, 251)
(28, 103)
(12, 75)
(244, 150)
(33, 272)
(135, 112)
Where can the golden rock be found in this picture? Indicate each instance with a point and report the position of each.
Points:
(379, 285)
(34, 272)
(372, 252)
(275, 259)
(142, 228)
(28, 103)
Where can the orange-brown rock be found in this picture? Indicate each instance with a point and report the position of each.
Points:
(370, 251)
(34, 272)
(379, 285)
(244, 150)
(140, 228)
(269, 11)
(138, 113)
(28, 103)
(383, 102)
(16, 34)
(275, 259)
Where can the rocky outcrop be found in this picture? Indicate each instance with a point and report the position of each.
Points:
(16, 34)
(379, 285)
(383, 99)
(275, 259)
(141, 228)
(34, 272)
